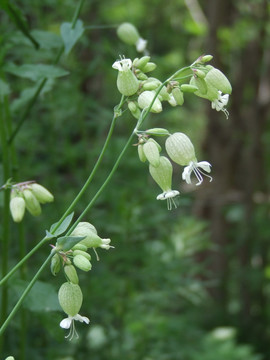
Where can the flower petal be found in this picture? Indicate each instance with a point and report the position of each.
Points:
(186, 174)
(66, 323)
(205, 165)
(80, 318)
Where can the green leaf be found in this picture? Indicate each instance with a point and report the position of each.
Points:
(35, 71)
(17, 17)
(67, 242)
(49, 236)
(4, 88)
(42, 297)
(71, 35)
(63, 227)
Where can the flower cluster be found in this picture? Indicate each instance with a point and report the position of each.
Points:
(70, 295)
(28, 195)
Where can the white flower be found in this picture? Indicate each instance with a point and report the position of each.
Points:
(194, 167)
(169, 195)
(68, 323)
(220, 103)
(141, 45)
(122, 64)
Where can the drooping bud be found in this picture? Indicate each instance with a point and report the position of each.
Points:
(41, 193)
(141, 63)
(71, 274)
(127, 83)
(178, 95)
(151, 152)
(128, 33)
(55, 264)
(206, 58)
(149, 67)
(82, 263)
(17, 208)
(162, 174)
(141, 153)
(180, 148)
(31, 202)
(79, 247)
(145, 99)
(70, 298)
(134, 109)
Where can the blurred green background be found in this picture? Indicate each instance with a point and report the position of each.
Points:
(190, 284)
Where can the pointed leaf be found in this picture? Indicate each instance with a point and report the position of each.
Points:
(35, 71)
(67, 242)
(63, 227)
(71, 35)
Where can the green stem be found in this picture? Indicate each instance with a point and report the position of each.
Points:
(24, 294)
(43, 82)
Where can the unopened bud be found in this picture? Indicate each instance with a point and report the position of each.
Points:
(70, 298)
(141, 153)
(41, 193)
(188, 88)
(82, 263)
(206, 58)
(31, 202)
(180, 148)
(151, 152)
(55, 264)
(79, 246)
(149, 67)
(17, 208)
(83, 253)
(71, 274)
(128, 33)
(178, 96)
(157, 132)
(145, 99)
(141, 63)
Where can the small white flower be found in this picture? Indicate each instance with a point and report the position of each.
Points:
(195, 167)
(220, 103)
(169, 195)
(68, 323)
(122, 64)
(141, 45)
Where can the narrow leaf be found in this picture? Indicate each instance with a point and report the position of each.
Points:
(71, 35)
(67, 242)
(49, 236)
(63, 227)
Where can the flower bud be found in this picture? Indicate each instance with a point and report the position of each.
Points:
(218, 80)
(31, 202)
(79, 246)
(141, 63)
(180, 148)
(128, 33)
(150, 85)
(141, 153)
(157, 132)
(162, 174)
(188, 88)
(151, 152)
(10, 358)
(71, 274)
(178, 96)
(41, 193)
(17, 208)
(55, 264)
(70, 298)
(145, 99)
(206, 58)
(134, 109)
(172, 100)
(82, 263)
(149, 67)
(83, 253)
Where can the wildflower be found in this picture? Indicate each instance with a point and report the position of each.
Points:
(181, 150)
(220, 103)
(68, 323)
(70, 299)
(162, 175)
(127, 83)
